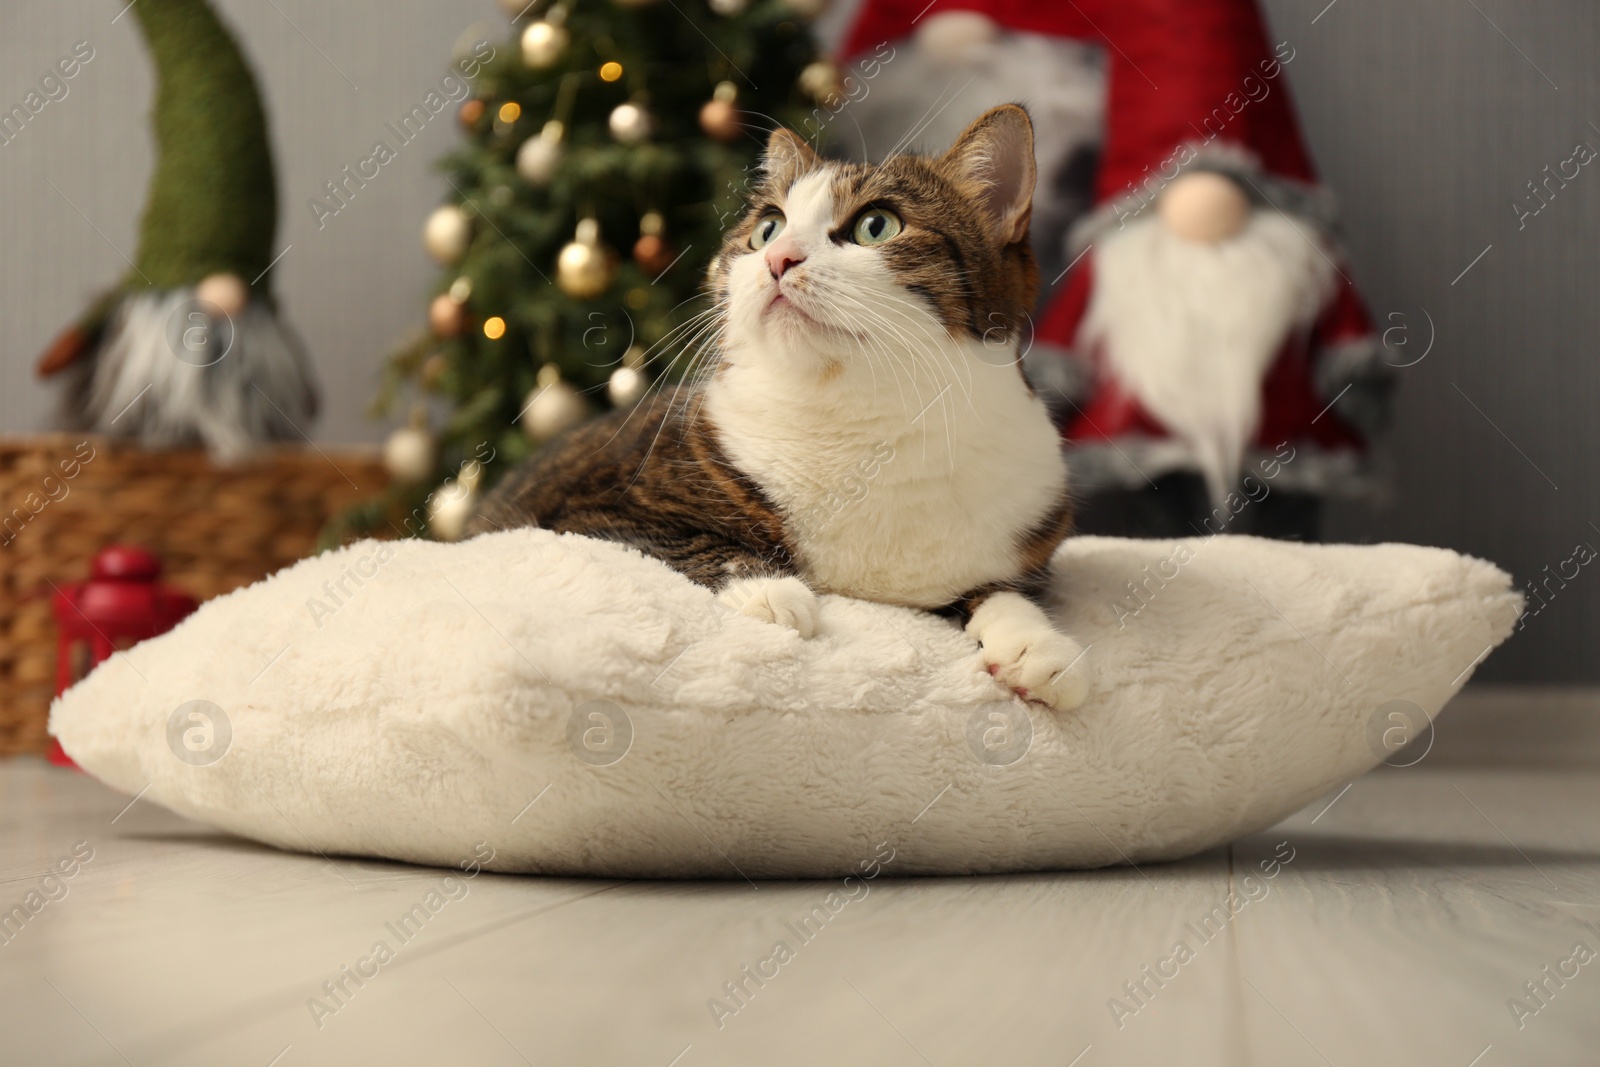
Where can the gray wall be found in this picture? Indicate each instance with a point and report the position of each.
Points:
(1427, 119)
(1429, 123)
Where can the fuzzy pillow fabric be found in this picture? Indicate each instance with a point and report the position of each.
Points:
(585, 710)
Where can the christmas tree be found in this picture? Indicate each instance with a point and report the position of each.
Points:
(601, 125)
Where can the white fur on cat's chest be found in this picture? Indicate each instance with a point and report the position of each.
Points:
(891, 505)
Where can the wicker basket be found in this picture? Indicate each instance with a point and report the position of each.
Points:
(215, 528)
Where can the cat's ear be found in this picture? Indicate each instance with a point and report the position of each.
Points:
(994, 157)
(787, 158)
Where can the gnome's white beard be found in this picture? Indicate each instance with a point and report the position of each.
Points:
(1191, 328)
(231, 384)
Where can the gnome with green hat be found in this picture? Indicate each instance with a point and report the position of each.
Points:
(188, 347)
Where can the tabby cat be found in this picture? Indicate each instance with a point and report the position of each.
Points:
(864, 427)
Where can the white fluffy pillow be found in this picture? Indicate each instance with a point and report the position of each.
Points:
(412, 700)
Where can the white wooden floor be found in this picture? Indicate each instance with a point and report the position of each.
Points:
(1401, 924)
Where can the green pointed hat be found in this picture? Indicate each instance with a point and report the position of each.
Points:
(212, 205)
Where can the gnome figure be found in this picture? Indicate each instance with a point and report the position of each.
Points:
(188, 347)
(1211, 363)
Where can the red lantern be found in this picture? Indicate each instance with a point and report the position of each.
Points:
(120, 605)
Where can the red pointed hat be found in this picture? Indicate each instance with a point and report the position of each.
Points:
(1191, 83)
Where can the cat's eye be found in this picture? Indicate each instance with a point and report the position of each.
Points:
(767, 230)
(876, 226)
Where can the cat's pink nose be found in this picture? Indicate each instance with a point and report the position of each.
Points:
(783, 254)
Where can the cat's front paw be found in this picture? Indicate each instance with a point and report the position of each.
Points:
(1024, 651)
(784, 601)
(1044, 665)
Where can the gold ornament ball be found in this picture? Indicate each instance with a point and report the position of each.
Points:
(585, 268)
(542, 44)
(446, 317)
(630, 123)
(410, 452)
(226, 293)
(453, 503)
(471, 114)
(823, 83)
(653, 254)
(553, 407)
(447, 233)
(1204, 206)
(720, 120)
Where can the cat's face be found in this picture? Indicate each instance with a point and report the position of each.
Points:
(841, 265)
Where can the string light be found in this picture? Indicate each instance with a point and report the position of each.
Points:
(494, 327)
(611, 71)
(510, 111)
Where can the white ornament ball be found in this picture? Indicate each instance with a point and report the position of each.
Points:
(228, 293)
(952, 36)
(729, 7)
(453, 503)
(542, 44)
(1204, 206)
(626, 386)
(630, 123)
(410, 453)
(447, 234)
(553, 407)
(539, 157)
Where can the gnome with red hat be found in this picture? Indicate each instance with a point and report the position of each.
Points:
(1221, 371)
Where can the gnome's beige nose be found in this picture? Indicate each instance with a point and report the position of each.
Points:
(1204, 206)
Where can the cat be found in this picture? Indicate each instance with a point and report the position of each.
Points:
(864, 428)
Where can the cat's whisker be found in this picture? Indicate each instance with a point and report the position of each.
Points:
(706, 330)
(942, 358)
(899, 330)
(905, 326)
(917, 322)
(674, 335)
(708, 316)
(873, 344)
(881, 321)
(928, 117)
(870, 343)
(876, 319)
